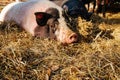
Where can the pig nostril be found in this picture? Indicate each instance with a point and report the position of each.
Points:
(73, 38)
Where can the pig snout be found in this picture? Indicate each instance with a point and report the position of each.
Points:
(72, 38)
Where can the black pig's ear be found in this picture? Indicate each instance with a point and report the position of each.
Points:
(42, 18)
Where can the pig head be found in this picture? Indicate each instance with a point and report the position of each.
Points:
(75, 8)
(41, 18)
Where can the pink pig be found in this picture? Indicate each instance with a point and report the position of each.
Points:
(41, 18)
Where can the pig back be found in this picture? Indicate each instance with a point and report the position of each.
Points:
(23, 13)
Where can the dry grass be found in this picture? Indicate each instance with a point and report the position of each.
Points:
(95, 57)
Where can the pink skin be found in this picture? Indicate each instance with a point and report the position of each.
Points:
(23, 14)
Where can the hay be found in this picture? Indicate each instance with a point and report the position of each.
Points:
(23, 57)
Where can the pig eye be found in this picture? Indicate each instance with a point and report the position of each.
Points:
(54, 26)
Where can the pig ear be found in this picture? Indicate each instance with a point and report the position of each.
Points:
(42, 18)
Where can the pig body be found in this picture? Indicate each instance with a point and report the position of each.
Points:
(28, 16)
(23, 13)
